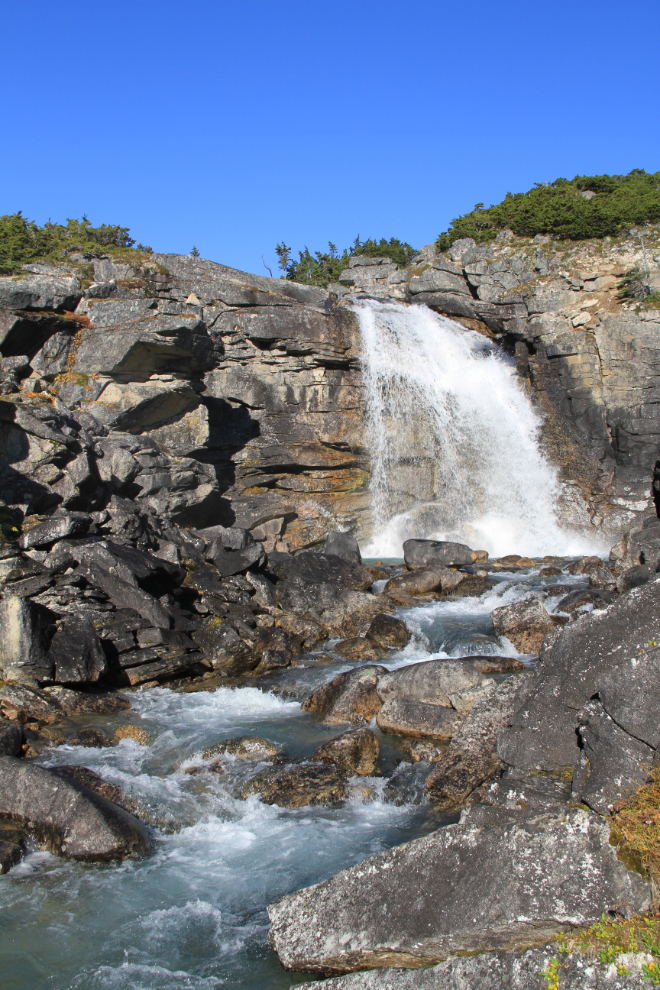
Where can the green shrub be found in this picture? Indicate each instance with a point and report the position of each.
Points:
(324, 267)
(23, 241)
(558, 209)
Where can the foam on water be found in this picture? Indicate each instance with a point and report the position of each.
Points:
(454, 440)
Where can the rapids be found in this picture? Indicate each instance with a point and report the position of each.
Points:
(193, 914)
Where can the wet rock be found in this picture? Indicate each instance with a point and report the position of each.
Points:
(424, 580)
(385, 630)
(25, 640)
(462, 889)
(602, 578)
(70, 734)
(320, 568)
(352, 752)
(585, 565)
(472, 586)
(580, 597)
(21, 702)
(600, 647)
(76, 652)
(524, 623)
(357, 648)
(246, 748)
(348, 697)
(428, 553)
(86, 703)
(278, 641)
(306, 630)
(166, 666)
(612, 766)
(340, 612)
(11, 853)
(66, 818)
(471, 756)
(11, 738)
(134, 732)
(415, 718)
(224, 648)
(529, 969)
(407, 785)
(639, 545)
(297, 786)
(422, 750)
(343, 545)
(492, 664)
(634, 577)
(91, 781)
(449, 683)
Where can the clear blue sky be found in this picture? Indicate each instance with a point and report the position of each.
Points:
(232, 126)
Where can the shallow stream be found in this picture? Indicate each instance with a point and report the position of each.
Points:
(193, 914)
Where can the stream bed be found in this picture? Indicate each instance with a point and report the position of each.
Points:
(193, 914)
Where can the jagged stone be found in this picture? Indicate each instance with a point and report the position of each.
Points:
(25, 640)
(348, 697)
(320, 568)
(524, 623)
(385, 630)
(352, 752)
(11, 738)
(76, 652)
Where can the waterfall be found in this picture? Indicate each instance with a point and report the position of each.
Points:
(454, 440)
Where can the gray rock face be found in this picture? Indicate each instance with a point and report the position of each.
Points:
(65, 818)
(24, 642)
(318, 568)
(343, 545)
(417, 719)
(76, 652)
(607, 645)
(348, 697)
(463, 889)
(450, 683)
(525, 970)
(39, 292)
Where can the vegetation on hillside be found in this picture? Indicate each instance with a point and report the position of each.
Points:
(565, 210)
(23, 241)
(324, 267)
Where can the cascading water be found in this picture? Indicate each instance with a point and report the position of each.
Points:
(453, 440)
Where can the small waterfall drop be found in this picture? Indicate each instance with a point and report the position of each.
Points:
(453, 440)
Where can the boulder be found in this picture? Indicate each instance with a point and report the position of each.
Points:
(415, 718)
(25, 640)
(602, 578)
(32, 291)
(319, 568)
(524, 623)
(527, 969)
(246, 748)
(449, 683)
(424, 580)
(66, 818)
(356, 648)
(580, 597)
(125, 595)
(634, 577)
(11, 738)
(76, 652)
(428, 553)
(612, 765)
(385, 630)
(343, 545)
(224, 648)
(348, 697)
(585, 565)
(422, 750)
(461, 890)
(471, 756)
(296, 786)
(56, 528)
(598, 648)
(353, 752)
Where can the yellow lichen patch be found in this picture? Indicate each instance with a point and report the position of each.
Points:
(132, 732)
(609, 939)
(636, 828)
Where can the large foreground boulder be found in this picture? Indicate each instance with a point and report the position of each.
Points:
(529, 969)
(462, 889)
(66, 818)
(348, 697)
(450, 683)
(604, 654)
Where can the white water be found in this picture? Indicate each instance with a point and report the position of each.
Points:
(454, 440)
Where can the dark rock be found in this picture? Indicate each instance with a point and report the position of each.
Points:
(91, 781)
(356, 648)
(230, 562)
(462, 889)
(66, 818)
(600, 646)
(150, 636)
(275, 641)
(386, 631)
(473, 586)
(524, 623)
(612, 766)
(21, 701)
(11, 738)
(343, 545)
(634, 577)
(165, 667)
(352, 752)
(86, 703)
(424, 580)
(224, 648)
(415, 718)
(297, 786)
(348, 697)
(585, 565)
(246, 748)
(264, 590)
(25, 639)
(518, 791)
(471, 756)
(125, 595)
(319, 568)
(33, 291)
(448, 683)
(602, 578)
(428, 553)
(576, 599)
(10, 855)
(492, 664)
(76, 652)
(56, 528)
